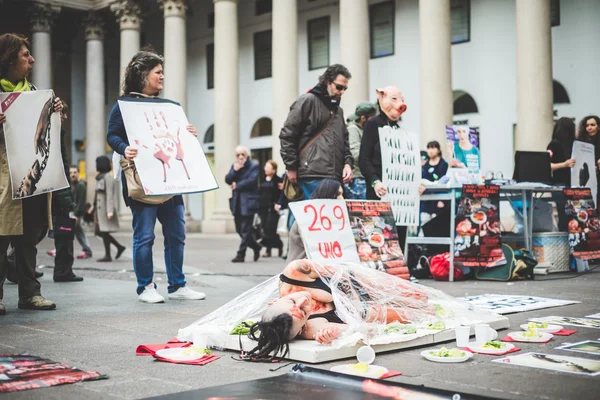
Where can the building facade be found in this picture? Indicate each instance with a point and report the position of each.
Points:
(508, 67)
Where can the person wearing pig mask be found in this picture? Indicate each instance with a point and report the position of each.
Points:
(392, 106)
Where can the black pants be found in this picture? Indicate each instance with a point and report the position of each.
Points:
(109, 239)
(243, 226)
(269, 220)
(63, 262)
(34, 224)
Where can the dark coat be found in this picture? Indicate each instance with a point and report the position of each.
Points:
(327, 155)
(62, 200)
(245, 198)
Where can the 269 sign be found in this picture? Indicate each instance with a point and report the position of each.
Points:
(322, 218)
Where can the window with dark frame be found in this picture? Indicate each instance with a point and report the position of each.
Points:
(263, 7)
(211, 20)
(555, 12)
(263, 54)
(210, 66)
(460, 16)
(381, 26)
(318, 43)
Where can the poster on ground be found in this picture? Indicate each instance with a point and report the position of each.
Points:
(583, 173)
(375, 235)
(583, 225)
(587, 346)
(33, 148)
(572, 321)
(509, 304)
(478, 239)
(463, 148)
(170, 159)
(401, 170)
(325, 230)
(573, 365)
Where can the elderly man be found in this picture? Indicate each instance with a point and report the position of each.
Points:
(243, 178)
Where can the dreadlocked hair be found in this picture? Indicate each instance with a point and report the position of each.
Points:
(273, 336)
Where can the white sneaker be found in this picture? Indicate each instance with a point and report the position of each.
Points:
(151, 295)
(185, 293)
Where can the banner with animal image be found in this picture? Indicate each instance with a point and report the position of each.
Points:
(401, 170)
(572, 365)
(170, 159)
(32, 136)
(583, 225)
(478, 239)
(583, 173)
(375, 235)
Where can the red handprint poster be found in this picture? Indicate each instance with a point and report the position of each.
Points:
(170, 159)
(32, 137)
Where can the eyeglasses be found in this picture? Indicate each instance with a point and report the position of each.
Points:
(340, 87)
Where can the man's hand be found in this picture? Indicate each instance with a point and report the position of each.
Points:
(570, 163)
(3, 120)
(192, 129)
(380, 189)
(233, 186)
(440, 204)
(130, 153)
(347, 173)
(422, 189)
(58, 105)
(292, 176)
(110, 215)
(326, 336)
(237, 166)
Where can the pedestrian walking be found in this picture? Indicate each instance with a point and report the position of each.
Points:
(314, 138)
(357, 188)
(79, 193)
(270, 193)
(244, 202)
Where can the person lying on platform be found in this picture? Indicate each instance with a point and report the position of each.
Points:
(306, 309)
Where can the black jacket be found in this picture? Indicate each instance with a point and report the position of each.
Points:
(327, 155)
(244, 200)
(62, 200)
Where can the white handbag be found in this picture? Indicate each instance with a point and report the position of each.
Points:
(282, 228)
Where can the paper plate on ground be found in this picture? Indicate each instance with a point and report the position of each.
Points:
(478, 348)
(427, 354)
(549, 329)
(373, 371)
(181, 354)
(519, 336)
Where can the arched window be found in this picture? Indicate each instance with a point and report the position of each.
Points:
(559, 93)
(464, 103)
(209, 136)
(262, 127)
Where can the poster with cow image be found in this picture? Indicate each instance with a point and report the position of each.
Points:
(478, 239)
(583, 225)
(32, 137)
(170, 159)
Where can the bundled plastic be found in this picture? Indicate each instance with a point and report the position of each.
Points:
(377, 308)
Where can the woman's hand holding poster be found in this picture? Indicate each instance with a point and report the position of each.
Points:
(478, 235)
(170, 159)
(584, 227)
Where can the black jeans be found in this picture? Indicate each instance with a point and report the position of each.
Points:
(63, 262)
(269, 220)
(243, 226)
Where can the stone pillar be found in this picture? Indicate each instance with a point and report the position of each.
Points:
(354, 51)
(285, 67)
(128, 16)
(436, 69)
(95, 115)
(41, 18)
(534, 75)
(226, 109)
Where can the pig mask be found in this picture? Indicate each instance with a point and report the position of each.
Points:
(391, 102)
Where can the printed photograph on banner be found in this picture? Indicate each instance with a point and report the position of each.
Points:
(583, 173)
(375, 235)
(325, 230)
(583, 224)
(170, 159)
(508, 304)
(593, 316)
(32, 133)
(478, 238)
(587, 347)
(573, 365)
(401, 166)
(463, 147)
(572, 321)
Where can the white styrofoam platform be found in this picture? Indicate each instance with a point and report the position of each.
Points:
(309, 351)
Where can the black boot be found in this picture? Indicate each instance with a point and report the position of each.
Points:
(238, 259)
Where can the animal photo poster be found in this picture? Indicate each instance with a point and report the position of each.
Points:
(32, 136)
(401, 170)
(583, 173)
(170, 159)
(583, 225)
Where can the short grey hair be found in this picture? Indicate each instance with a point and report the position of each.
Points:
(244, 149)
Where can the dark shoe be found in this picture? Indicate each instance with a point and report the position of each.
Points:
(104, 259)
(267, 254)
(37, 303)
(279, 251)
(238, 259)
(73, 278)
(83, 255)
(38, 274)
(2, 308)
(120, 252)
(257, 253)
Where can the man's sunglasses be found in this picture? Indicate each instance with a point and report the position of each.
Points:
(340, 87)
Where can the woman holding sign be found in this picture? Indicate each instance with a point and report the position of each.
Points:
(144, 81)
(22, 222)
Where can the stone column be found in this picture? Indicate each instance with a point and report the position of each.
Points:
(95, 115)
(354, 51)
(226, 109)
(128, 16)
(534, 75)
(436, 69)
(41, 18)
(285, 67)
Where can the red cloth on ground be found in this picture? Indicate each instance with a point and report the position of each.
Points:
(151, 349)
(390, 374)
(565, 332)
(509, 339)
(513, 350)
(202, 361)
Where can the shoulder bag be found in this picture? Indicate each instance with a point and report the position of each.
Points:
(135, 190)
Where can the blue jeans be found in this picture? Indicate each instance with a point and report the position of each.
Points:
(170, 215)
(308, 186)
(356, 190)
